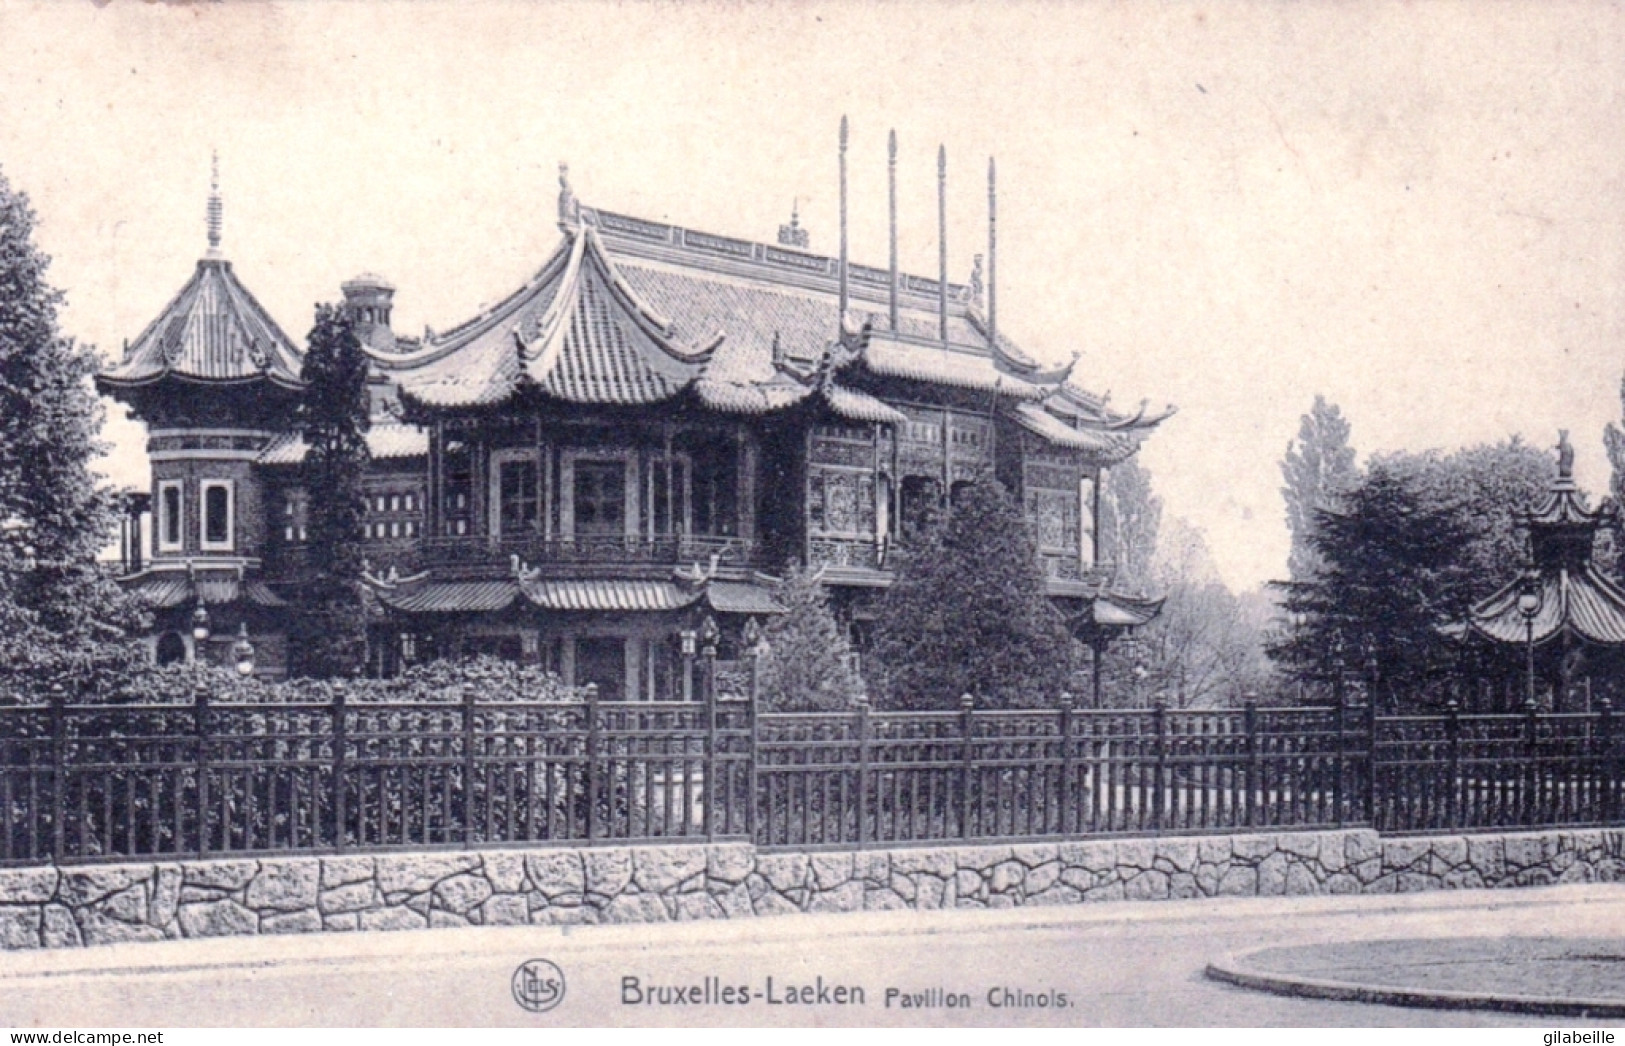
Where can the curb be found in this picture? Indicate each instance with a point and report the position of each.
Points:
(1232, 969)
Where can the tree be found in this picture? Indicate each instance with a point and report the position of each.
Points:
(61, 614)
(809, 663)
(1130, 521)
(1205, 648)
(968, 613)
(1613, 441)
(1318, 468)
(1488, 487)
(1392, 572)
(333, 417)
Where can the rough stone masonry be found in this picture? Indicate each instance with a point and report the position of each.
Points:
(55, 908)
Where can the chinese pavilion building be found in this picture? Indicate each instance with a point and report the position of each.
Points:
(1559, 627)
(643, 435)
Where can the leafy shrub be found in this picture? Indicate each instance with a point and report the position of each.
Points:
(134, 681)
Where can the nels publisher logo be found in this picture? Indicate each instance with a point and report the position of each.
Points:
(538, 985)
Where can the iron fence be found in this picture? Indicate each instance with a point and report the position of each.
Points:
(83, 782)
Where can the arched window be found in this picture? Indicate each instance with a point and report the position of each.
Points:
(171, 648)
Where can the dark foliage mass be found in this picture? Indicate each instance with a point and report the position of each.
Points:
(331, 639)
(1393, 571)
(968, 614)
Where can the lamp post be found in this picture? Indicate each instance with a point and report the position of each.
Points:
(200, 633)
(709, 636)
(1529, 602)
(690, 640)
(242, 652)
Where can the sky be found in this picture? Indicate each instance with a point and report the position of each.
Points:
(1414, 210)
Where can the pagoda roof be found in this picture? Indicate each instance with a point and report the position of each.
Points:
(1579, 600)
(578, 332)
(629, 311)
(212, 332)
(422, 594)
(162, 589)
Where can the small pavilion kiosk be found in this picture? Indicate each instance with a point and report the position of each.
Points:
(1558, 629)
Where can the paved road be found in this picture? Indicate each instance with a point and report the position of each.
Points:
(1116, 965)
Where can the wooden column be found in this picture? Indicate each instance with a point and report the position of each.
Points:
(746, 464)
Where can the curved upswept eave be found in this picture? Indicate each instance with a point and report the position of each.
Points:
(213, 331)
(1581, 602)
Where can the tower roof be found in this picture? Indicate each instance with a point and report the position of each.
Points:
(1570, 594)
(213, 332)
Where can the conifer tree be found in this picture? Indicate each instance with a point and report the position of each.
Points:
(334, 419)
(809, 663)
(968, 613)
(1393, 572)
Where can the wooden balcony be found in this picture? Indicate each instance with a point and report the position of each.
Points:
(410, 555)
(668, 550)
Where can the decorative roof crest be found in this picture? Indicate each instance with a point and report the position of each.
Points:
(793, 235)
(569, 206)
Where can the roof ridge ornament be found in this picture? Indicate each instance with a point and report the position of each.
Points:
(1565, 456)
(569, 206)
(793, 235)
(216, 209)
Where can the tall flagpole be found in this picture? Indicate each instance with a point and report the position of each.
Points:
(992, 258)
(842, 318)
(891, 185)
(942, 244)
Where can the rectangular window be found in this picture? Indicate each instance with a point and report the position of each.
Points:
(666, 510)
(715, 507)
(519, 494)
(169, 516)
(458, 488)
(216, 495)
(600, 498)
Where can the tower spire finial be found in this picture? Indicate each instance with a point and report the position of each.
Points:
(216, 208)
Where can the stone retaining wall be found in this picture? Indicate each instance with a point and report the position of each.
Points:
(152, 901)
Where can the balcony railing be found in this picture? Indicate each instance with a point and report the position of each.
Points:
(665, 550)
(409, 555)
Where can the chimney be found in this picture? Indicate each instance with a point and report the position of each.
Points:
(369, 299)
